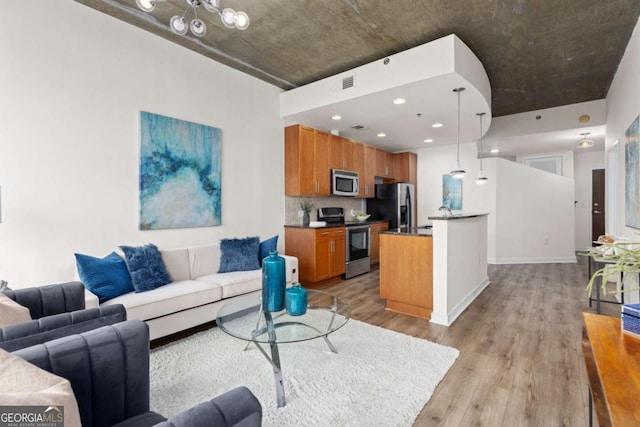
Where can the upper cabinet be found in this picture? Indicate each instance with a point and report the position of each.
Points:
(306, 153)
(406, 167)
(384, 164)
(341, 150)
(368, 181)
(310, 154)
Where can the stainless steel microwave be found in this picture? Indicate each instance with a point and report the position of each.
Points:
(344, 183)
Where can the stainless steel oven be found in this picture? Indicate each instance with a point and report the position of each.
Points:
(358, 250)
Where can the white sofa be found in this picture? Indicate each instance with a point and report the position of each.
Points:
(196, 293)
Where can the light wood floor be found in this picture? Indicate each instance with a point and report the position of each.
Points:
(520, 360)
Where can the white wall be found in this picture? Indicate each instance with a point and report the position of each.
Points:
(623, 106)
(531, 213)
(585, 163)
(433, 162)
(534, 215)
(72, 89)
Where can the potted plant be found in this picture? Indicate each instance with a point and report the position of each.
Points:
(619, 258)
(306, 206)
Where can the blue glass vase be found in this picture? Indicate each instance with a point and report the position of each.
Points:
(296, 300)
(273, 282)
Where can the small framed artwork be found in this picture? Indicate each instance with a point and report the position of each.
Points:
(452, 192)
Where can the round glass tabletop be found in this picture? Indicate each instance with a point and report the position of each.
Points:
(243, 318)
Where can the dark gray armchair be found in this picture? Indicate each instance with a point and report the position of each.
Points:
(56, 311)
(108, 369)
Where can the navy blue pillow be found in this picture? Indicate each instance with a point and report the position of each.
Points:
(146, 268)
(239, 254)
(106, 277)
(267, 246)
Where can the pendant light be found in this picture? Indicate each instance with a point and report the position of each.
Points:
(584, 142)
(481, 179)
(458, 172)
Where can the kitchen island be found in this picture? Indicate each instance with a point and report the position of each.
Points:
(435, 273)
(406, 271)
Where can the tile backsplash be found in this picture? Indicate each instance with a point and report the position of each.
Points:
(292, 206)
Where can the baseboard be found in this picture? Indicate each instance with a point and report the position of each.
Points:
(559, 260)
(449, 318)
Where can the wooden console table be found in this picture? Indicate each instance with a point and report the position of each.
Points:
(613, 365)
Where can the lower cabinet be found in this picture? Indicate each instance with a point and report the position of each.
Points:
(376, 228)
(320, 251)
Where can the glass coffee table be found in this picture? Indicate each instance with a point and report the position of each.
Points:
(244, 318)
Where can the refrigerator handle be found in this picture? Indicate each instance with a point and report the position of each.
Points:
(408, 202)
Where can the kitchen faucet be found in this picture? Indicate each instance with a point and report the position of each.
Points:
(446, 211)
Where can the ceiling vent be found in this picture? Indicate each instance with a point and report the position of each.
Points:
(348, 82)
(357, 127)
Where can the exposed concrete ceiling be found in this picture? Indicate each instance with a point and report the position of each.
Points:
(538, 54)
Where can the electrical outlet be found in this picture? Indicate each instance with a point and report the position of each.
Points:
(300, 213)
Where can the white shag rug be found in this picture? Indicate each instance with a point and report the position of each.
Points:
(377, 378)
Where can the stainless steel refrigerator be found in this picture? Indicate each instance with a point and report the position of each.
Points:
(394, 203)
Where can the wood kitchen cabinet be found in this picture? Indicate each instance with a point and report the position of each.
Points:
(320, 252)
(368, 182)
(341, 153)
(357, 150)
(384, 164)
(307, 171)
(406, 167)
(375, 230)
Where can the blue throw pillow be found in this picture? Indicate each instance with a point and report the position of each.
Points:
(267, 246)
(239, 254)
(146, 268)
(106, 277)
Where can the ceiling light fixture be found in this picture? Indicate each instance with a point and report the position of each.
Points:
(428, 140)
(230, 18)
(495, 150)
(436, 125)
(336, 117)
(584, 142)
(481, 179)
(399, 101)
(458, 172)
(382, 135)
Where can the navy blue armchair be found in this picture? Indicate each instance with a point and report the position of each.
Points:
(56, 311)
(108, 369)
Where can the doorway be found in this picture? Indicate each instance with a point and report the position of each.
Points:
(597, 204)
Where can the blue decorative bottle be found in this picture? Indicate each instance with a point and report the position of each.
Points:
(296, 300)
(273, 282)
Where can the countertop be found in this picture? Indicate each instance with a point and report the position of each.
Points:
(457, 216)
(345, 224)
(425, 231)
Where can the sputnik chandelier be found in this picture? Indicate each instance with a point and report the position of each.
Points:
(178, 24)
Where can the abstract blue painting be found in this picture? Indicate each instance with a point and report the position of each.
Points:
(632, 176)
(452, 192)
(179, 173)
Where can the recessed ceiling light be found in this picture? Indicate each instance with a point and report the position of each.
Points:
(399, 101)
(428, 140)
(382, 135)
(336, 117)
(495, 150)
(436, 125)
